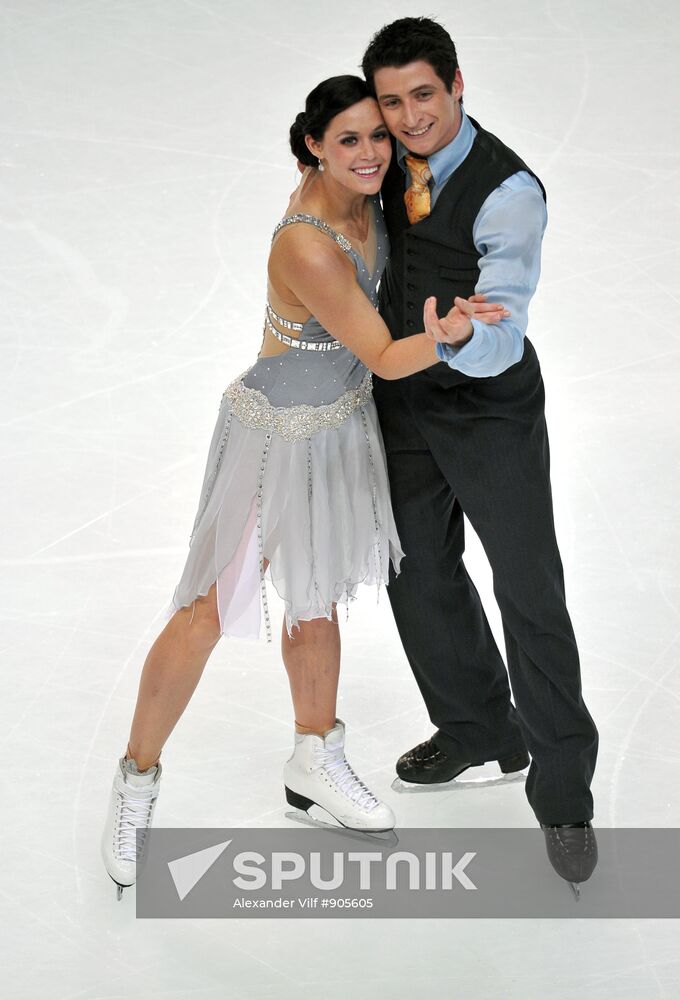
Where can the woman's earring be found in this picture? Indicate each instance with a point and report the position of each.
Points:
(321, 166)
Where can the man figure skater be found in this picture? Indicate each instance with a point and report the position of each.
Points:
(466, 216)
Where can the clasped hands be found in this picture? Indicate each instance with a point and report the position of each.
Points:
(456, 328)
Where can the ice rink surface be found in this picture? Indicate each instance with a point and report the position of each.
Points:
(144, 164)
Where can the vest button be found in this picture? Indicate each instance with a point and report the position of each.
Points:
(410, 324)
(410, 305)
(411, 288)
(410, 252)
(410, 267)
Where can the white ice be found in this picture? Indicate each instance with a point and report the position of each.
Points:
(144, 164)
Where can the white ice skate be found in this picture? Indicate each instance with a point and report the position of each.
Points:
(131, 808)
(320, 782)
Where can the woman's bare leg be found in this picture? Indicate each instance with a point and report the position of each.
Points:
(171, 672)
(312, 661)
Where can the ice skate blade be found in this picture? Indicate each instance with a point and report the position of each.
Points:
(119, 887)
(576, 890)
(322, 820)
(458, 784)
(315, 816)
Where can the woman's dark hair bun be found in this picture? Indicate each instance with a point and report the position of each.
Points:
(327, 100)
(298, 131)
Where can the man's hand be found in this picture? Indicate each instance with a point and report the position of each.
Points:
(455, 328)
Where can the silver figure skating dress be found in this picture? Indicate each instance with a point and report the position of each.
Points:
(295, 477)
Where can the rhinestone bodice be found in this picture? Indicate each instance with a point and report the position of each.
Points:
(311, 329)
(319, 373)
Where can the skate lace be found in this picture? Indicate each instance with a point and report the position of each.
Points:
(134, 814)
(350, 784)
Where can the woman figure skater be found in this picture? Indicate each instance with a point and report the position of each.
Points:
(296, 480)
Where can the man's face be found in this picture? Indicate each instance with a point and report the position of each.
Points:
(417, 107)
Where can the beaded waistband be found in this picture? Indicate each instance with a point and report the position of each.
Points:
(294, 423)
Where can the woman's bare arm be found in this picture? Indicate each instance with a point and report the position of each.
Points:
(323, 278)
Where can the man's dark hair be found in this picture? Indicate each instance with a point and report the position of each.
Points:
(408, 40)
(327, 100)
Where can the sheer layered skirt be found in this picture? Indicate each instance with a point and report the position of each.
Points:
(302, 488)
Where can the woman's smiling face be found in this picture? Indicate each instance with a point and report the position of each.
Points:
(356, 148)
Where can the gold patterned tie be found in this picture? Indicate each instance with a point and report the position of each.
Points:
(417, 197)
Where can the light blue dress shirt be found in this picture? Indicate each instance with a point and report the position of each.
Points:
(507, 232)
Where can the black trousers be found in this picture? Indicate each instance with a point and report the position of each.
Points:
(480, 446)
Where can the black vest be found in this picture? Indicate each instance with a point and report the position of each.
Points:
(437, 256)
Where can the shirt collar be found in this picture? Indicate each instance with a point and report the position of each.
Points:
(449, 158)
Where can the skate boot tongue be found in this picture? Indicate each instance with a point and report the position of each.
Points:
(336, 736)
(137, 778)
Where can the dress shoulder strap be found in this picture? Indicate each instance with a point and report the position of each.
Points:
(313, 220)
